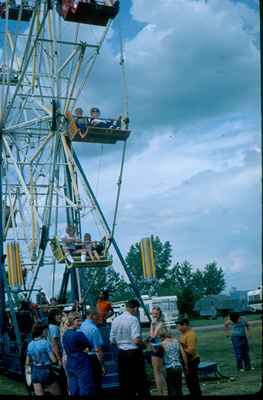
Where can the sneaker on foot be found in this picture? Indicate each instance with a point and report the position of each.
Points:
(242, 370)
(70, 258)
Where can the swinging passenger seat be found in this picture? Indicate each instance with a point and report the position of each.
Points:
(59, 255)
(94, 13)
(95, 134)
(14, 12)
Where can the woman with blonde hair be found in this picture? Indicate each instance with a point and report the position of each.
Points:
(78, 365)
(157, 324)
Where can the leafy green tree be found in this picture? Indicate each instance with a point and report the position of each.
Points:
(214, 281)
(134, 261)
(186, 299)
(120, 290)
(198, 283)
(162, 257)
(181, 275)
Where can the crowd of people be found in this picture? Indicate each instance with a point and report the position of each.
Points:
(67, 354)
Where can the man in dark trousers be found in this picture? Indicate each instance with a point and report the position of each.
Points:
(93, 334)
(126, 335)
(188, 340)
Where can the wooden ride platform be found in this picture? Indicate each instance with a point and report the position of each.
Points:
(13, 78)
(102, 263)
(102, 135)
(58, 253)
(94, 13)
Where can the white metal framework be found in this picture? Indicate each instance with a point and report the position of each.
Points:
(43, 185)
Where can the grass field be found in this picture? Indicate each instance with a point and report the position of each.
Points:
(9, 386)
(212, 346)
(220, 320)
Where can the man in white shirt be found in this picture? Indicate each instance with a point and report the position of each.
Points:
(126, 335)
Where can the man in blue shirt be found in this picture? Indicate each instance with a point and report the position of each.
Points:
(54, 338)
(92, 333)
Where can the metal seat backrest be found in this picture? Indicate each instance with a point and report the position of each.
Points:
(57, 250)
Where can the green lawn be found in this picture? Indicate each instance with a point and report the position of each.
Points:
(214, 346)
(10, 386)
(220, 320)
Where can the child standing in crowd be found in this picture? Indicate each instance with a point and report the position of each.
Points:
(173, 353)
(239, 329)
(40, 357)
(188, 340)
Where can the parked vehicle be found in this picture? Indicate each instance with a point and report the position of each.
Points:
(255, 299)
(168, 305)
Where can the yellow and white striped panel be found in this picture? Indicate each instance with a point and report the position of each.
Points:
(148, 264)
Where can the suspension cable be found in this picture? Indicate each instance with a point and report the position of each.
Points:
(126, 119)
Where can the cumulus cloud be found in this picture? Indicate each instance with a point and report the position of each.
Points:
(206, 205)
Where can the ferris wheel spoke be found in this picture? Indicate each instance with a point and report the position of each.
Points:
(70, 164)
(27, 58)
(27, 124)
(20, 177)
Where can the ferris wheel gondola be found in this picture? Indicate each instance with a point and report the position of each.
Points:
(93, 12)
(12, 11)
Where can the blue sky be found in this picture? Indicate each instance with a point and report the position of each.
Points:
(192, 173)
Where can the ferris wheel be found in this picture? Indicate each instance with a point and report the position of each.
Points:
(43, 184)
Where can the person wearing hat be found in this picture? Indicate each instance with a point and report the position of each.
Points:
(81, 122)
(96, 121)
(188, 340)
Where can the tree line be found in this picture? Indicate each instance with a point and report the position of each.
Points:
(180, 279)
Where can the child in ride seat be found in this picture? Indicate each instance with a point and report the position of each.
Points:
(92, 253)
(80, 122)
(96, 121)
(72, 245)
